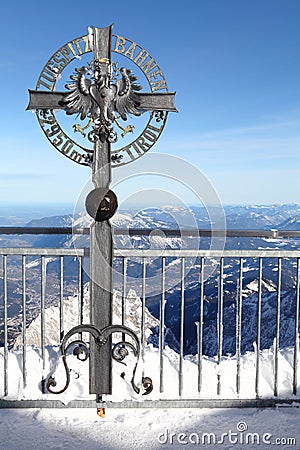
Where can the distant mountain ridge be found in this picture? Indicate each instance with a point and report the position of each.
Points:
(242, 217)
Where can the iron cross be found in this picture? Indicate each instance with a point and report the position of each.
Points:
(100, 100)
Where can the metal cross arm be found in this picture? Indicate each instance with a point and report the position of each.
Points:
(163, 101)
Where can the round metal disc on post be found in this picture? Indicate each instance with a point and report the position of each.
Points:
(101, 204)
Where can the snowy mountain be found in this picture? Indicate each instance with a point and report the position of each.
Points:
(238, 217)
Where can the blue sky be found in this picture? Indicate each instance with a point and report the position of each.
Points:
(235, 67)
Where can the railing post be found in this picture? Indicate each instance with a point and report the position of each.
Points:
(258, 329)
(220, 324)
(5, 306)
(276, 355)
(200, 326)
(239, 327)
(143, 335)
(181, 341)
(296, 343)
(43, 295)
(61, 300)
(162, 325)
(24, 370)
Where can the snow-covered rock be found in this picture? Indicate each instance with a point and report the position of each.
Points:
(71, 317)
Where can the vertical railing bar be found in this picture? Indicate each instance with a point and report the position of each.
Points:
(124, 293)
(80, 311)
(80, 294)
(61, 300)
(239, 329)
(277, 328)
(143, 337)
(220, 324)
(43, 294)
(258, 332)
(24, 371)
(296, 342)
(5, 325)
(200, 327)
(181, 343)
(162, 325)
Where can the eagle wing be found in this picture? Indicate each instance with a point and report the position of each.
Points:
(127, 100)
(78, 100)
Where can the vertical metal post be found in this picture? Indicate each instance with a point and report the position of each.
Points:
(43, 295)
(80, 291)
(5, 325)
(143, 336)
(200, 329)
(101, 245)
(220, 325)
(61, 300)
(277, 328)
(124, 293)
(258, 332)
(296, 341)
(239, 328)
(181, 342)
(162, 325)
(24, 370)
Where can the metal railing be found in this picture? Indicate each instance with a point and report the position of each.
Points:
(168, 232)
(15, 266)
(221, 256)
(13, 324)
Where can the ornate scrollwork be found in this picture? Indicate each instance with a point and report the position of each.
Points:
(116, 158)
(88, 158)
(148, 385)
(119, 351)
(159, 116)
(113, 136)
(101, 337)
(92, 136)
(81, 351)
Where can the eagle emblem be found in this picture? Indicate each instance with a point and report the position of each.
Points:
(101, 100)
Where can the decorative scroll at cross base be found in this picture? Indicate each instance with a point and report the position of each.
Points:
(100, 339)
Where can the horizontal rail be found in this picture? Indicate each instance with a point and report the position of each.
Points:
(43, 251)
(280, 234)
(43, 230)
(150, 253)
(180, 403)
(275, 234)
(266, 253)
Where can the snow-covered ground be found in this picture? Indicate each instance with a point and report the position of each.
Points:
(149, 428)
(126, 429)
(149, 364)
(150, 367)
(144, 428)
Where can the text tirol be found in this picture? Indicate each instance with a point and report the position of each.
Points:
(144, 142)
